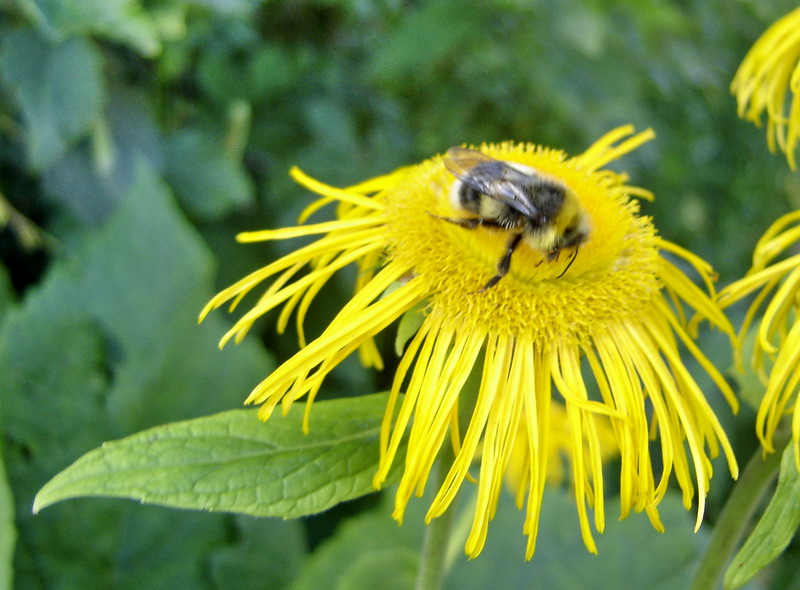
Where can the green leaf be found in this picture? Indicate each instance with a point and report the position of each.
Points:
(408, 326)
(59, 89)
(751, 386)
(8, 532)
(242, 69)
(232, 462)
(92, 180)
(268, 555)
(6, 290)
(209, 182)
(388, 569)
(434, 31)
(42, 353)
(735, 518)
(53, 371)
(786, 573)
(106, 344)
(231, 7)
(356, 556)
(53, 375)
(142, 277)
(561, 560)
(774, 531)
(153, 548)
(120, 20)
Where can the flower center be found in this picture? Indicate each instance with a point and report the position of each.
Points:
(613, 274)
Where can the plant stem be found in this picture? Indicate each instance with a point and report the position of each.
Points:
(737, 513)
(437, 534)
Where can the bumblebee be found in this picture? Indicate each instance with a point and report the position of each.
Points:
(533, 207)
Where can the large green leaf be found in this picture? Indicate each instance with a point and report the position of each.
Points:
(427, 36)
(358, 552)
(207, 179)
(121, 20)
(561, 560)
(6, 290)
(142, 277)
(108, 343)
(268, 554)
(92, 179)
(661, 561)
(59, 89)
(52, 395)
(241, 69)
(53, 392)
(387, 569)
(631, 553)
(8, 531)
(232, 7)
(774, 531)
(232, 462)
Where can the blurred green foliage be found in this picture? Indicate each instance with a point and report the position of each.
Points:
(138, 137)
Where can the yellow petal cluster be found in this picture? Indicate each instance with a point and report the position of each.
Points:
(603, 341)
(768, 81)
(776, 345)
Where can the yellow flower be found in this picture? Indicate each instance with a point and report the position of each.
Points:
(769, 74)
(617, 314)
(778, 335)
(559, 450)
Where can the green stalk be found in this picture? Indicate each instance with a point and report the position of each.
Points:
(736, 515)
(437, 534)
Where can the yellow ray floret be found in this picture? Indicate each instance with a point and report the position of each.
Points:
(776, 346)
(767, 79)
(580, 352)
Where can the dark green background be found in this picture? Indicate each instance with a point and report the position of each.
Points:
(137, 138)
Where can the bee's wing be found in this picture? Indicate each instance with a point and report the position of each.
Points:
(512, 193)
(460, 161)
(491, 177)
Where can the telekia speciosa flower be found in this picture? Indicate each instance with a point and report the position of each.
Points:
(776, 343)
(768, 82)
(586, 309)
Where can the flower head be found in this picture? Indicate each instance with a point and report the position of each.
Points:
(776, 347)
(768, 76)
(598, 330)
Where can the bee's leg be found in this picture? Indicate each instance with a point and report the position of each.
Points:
(505, 263)
(468, 222)
(551, 255)
(571, 260)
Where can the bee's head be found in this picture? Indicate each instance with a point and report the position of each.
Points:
(572, 224)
